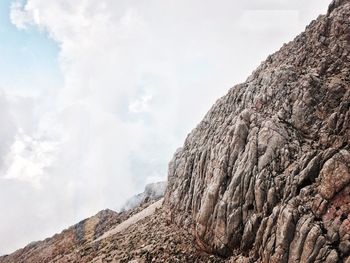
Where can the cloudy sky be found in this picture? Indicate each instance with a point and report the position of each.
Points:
(95, 96)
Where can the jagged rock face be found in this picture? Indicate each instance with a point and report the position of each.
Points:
(266, 174)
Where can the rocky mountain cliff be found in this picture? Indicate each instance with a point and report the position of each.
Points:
(265, 177)
(266, 174)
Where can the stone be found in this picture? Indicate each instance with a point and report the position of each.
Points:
(266, 173)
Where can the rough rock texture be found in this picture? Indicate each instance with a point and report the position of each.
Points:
(266, 174)
(153, 239)
(153, 192)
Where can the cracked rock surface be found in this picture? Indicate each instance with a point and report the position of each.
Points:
(266, 174)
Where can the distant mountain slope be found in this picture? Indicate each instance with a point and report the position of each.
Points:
(64, 245)
(147, 236)
(70, 244)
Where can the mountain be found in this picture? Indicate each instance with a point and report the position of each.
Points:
(143, 234)
(266, 174)
(265, 177)
(62, 246)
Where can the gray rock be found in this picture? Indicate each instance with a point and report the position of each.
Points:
(266, 174)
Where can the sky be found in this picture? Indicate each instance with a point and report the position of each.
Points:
(96, 96)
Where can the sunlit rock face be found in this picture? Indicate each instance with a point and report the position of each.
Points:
(266, 174)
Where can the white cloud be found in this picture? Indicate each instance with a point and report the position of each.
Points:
(266, 20)
(18, 15)
(138, 75)
(8, 127)
(140, 104)
(28, 158)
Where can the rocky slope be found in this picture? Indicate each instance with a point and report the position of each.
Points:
(151, 238)
(266, 174)
(61, 246)
(265, 177)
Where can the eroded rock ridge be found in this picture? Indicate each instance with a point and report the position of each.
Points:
(266, 174)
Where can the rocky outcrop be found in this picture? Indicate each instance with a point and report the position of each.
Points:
(266, 174)
(152, 192)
